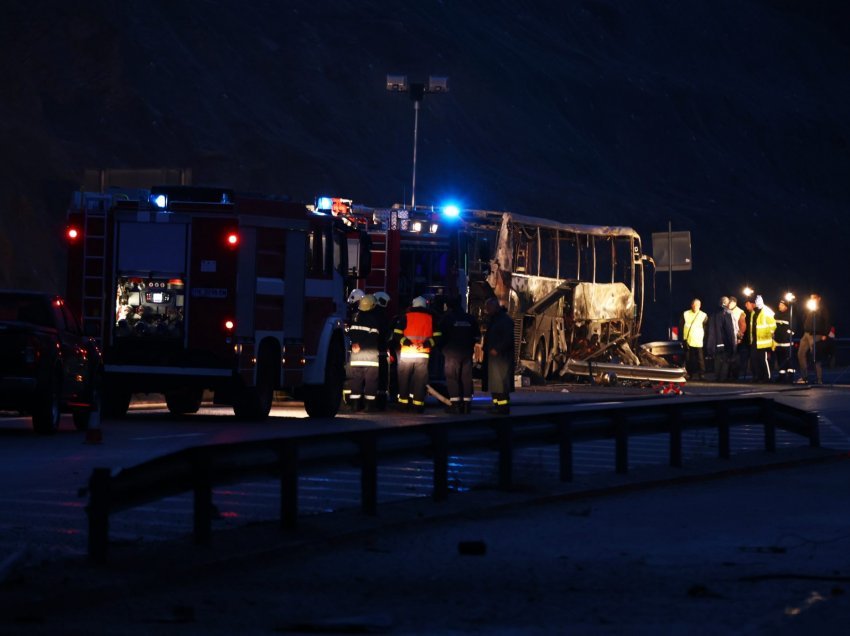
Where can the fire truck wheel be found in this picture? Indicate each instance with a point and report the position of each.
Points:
(255, 402)
(45, 410)
(323, 400)
(116, 401)
(184, 401)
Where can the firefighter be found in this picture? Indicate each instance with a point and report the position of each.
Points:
(352, 301)
(460, 333)
(382, 301)
(499, 357)
(782, 339)
(415, 335)
(368, 335)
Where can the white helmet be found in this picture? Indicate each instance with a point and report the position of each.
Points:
(355, 296)
(420, 302)
(382, 298)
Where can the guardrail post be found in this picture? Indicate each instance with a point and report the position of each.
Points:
(202, 487)
(621, 437)
(768, 416)
(504, 433)
(723, 444)
(288, 458)
(565, 448)
(440, 448)
(98, 513)
(369, 473)
(674, 421)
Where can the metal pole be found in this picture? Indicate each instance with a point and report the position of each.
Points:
(415, 137)
(670, 275)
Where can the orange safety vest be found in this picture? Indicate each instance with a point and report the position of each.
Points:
(419, 329)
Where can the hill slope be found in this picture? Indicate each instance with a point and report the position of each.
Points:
(728, 118)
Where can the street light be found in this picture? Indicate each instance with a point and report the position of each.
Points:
(416, 90)
(812, 306)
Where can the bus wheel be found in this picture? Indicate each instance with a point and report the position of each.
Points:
(540, 359)
(323, 400)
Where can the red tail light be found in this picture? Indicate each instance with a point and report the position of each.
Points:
(232, 239)
(72, 234)
(229, 325)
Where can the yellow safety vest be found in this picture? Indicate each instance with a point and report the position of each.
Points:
(765, 326)
(694, 327)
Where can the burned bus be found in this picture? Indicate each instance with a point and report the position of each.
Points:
(574, 292)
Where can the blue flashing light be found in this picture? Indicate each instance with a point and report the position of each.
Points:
(324, 204)
(159, 200)
(451, 211)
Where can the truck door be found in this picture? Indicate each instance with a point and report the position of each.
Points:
(211, 312)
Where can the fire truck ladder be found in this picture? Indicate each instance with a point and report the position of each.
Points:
(94, 259)
(377, 279)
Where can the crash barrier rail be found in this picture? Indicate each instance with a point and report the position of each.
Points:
(199, 469)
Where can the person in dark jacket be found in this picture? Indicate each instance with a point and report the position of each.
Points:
(816, 327)
(415, 336)
(721, 340)
(499, 357)
(784, 345)
(460, 332)
(368, 337)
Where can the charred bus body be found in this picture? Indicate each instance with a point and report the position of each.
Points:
(575, 292)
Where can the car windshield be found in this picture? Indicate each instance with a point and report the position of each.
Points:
(27, 308)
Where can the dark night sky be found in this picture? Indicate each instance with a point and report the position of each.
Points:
(728, 118)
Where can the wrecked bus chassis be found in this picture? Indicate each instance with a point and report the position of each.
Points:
(575, 293)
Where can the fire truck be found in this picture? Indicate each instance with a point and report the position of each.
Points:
(191, 289)
(575, 292)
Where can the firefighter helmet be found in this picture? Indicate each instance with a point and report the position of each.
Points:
(355, 296)
(382, 298)
(420, 302)
(367, 303)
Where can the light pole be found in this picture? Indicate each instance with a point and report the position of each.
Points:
(416, 90)
(812, 306)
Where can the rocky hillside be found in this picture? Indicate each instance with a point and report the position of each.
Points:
(728, 118)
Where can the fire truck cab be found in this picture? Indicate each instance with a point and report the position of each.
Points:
(192, 289)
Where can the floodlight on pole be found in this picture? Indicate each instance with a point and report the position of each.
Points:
(416, 90)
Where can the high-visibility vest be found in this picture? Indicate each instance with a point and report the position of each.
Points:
(694, 327)
(765, 325)
(419, 334)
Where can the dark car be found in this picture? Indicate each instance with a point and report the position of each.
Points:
(47, 365)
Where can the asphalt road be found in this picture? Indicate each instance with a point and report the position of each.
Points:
(63, 462)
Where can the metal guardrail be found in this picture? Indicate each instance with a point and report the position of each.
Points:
(199, 469)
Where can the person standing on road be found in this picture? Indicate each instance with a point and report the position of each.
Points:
(460, 333)
(416, 336)
(782, 339)
(368, 337)
(721, 340)
(761, 326)
(692, 328)
(816, 328)
(739, 322)
(499, 357)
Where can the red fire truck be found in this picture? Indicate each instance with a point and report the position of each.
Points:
(191, 289)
